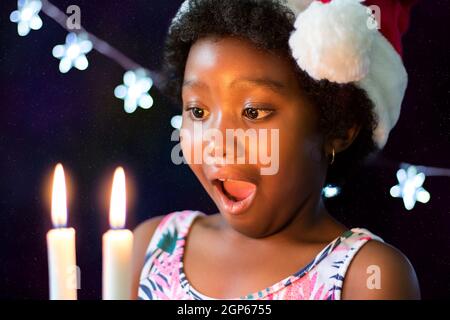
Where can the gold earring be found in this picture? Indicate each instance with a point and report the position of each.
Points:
(332, 158)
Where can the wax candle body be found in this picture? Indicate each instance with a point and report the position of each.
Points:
(117, 248)
(62, 264)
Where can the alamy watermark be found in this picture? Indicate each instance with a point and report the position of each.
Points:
(239, 146)
(374, 280)
(73, 21)
(374, 20)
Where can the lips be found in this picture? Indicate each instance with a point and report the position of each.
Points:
(235, 195)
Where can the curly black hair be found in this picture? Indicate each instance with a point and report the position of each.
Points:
(268, 25)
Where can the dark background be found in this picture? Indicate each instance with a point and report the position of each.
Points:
(47, 117)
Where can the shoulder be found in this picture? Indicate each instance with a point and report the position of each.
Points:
(380, 271)
(145, 230)
(142, 236)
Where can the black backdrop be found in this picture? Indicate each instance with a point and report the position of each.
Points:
(47, 117)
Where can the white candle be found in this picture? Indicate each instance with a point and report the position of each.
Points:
(117, 245)
(62, 267)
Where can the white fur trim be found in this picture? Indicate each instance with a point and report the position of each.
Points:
(385, 85)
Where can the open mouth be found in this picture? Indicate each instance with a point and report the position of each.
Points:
(235, 195)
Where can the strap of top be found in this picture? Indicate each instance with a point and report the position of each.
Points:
(168, 237)
(332, 269)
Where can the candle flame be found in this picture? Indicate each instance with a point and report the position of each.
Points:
(59, 202)
(117, 209)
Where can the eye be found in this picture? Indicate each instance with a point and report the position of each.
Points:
(197, 113)
(252, 113)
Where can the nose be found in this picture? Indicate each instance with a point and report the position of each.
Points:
(220, 140)
(218, 149)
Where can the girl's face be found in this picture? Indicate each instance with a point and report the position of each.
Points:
(231, 84)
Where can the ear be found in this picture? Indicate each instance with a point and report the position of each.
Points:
(342, 143)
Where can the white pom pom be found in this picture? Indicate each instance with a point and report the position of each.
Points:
(298, 6)
(333, 40)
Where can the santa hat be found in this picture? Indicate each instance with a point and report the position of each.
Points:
(341, 41)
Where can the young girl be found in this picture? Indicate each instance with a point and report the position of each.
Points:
(332, 87)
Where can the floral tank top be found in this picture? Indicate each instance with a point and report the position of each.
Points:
(163, 277)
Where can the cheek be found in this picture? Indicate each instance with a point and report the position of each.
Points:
(300, 156)
(302, 149)
(301, 145)
(191, 141)
(302, 133)
(300, 174)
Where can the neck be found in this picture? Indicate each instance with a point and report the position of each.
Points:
(310, 222)
(309, 217)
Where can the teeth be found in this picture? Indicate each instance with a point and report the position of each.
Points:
(222, 180)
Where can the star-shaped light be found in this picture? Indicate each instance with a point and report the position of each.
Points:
(27, 16)
(410, 187)
(176, 121)
(330, 191)
(73, 52)
(134, 90)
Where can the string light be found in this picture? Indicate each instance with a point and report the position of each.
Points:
(27, 16)
(73, 52)
(330, 191)
(176, 122)
(410, 187)
(134, 90)
(137, 80)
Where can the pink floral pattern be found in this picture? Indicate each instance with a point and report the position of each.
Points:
(163, 277)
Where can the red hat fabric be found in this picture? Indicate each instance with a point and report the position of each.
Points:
(395, 16)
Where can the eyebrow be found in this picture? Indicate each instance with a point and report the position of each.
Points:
(271, 84)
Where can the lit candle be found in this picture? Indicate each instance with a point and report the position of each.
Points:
(117, 245)
(62, 267)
